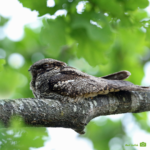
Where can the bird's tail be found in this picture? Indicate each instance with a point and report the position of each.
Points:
(119, 85)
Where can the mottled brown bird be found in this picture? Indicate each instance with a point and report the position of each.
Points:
(53, 78)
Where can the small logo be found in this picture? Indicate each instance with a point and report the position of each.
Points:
(142, 144)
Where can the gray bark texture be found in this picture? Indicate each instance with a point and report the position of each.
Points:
(75, 115)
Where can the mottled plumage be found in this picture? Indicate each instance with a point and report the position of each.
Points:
(52, 77)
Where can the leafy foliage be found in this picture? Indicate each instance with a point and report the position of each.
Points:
(19, 137)
(103, 130)
(111, 35)
(104, 30)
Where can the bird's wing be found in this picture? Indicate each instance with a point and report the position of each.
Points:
(74, 83)
(75, 86)
(121, 75)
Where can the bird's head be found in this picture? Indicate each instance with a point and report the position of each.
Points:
(45, 65)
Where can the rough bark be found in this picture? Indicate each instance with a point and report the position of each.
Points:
(75, 115)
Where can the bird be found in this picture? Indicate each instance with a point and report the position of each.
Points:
(53, 78)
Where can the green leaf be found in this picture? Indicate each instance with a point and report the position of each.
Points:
(40, 6)
(100, 31)
(92, 51)
(2, 62)
(134, 4)
(113, 7)
(53, 34)
(92, 38)
(142, 119)
(3, 20)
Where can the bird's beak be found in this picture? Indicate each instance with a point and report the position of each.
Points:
(29, 69)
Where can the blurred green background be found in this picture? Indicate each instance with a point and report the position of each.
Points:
(96, 36)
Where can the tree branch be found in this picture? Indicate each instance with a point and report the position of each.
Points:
(75, 115)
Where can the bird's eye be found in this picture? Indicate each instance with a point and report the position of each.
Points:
(46, 65)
